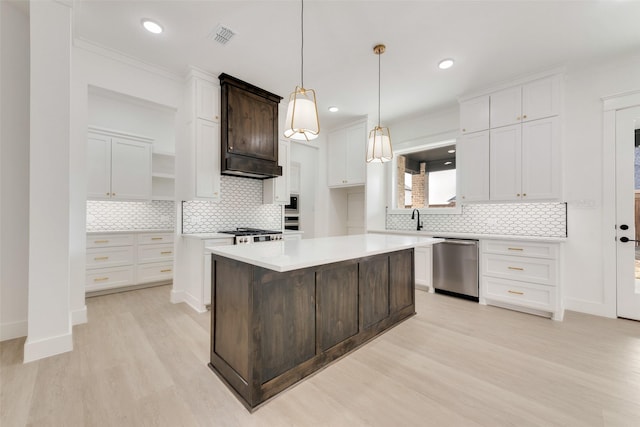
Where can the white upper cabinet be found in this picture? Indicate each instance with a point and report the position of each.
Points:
(207, 159)
(294, 177)
(277, 190)
(346, 156)
(472, 159)
(532, 101)
(525, 161)
(118, 166)
(207, 99)
(474, 115)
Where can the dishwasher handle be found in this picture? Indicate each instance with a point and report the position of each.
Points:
(461, 242)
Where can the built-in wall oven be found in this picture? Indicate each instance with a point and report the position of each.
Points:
(292, 213)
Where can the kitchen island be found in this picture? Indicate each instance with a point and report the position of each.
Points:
(282, 310)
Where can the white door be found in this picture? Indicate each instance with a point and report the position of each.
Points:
(627, 215)
(541, 159)
(505, 164)
(130, 169)
(98, 166)
(472, 158)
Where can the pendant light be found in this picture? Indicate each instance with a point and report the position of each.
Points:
(302, 122)
(379, 145)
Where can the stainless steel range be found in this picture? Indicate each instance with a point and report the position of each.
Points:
(253, 235)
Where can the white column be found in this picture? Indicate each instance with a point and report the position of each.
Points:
(49, 329)
(14, 154)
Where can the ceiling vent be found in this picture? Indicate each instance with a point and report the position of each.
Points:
(222, 34)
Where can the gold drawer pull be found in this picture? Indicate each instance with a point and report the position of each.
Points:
(100, 258)
(516, 249)
(168, 270)
(516, 268)
(156, 238)
(165, 253)
(515, 292)
(100, 241)
(100, 279)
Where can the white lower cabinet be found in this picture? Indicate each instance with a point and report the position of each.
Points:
(522, 276)
(115, 260)
(423, 268)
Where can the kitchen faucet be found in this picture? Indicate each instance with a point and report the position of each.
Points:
(418, 223)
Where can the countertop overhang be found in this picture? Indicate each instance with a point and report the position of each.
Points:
(288, 255)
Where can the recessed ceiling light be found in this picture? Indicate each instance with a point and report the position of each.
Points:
(333, 109)
(445, 63)
(152, 26)
(447, 163)
(451, 151)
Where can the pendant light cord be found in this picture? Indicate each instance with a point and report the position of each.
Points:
(379, 54)
(302, 44)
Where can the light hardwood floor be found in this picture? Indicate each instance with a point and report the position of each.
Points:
(141, 361)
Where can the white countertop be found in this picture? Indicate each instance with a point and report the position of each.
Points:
(429, 233)
(287, 255)
(145, 230)
(204, 236)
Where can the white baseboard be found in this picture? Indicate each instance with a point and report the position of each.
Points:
(187, 298)
(79, 317)
(50, 346)
(11, 330)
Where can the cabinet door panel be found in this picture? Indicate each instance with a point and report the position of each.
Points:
(130, 169)
(356, 140)
(474, 115)
(505, 164)
(401, 280)
(207, 159)
(506, 107)
(472, 158)
(337, 316)
(541, 99)
(423, 267)
(207, 100)
(98, 166)
(541, 159)
(336, 158)
(374, 290)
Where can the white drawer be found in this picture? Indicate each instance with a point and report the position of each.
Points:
(519, 293)
(109, 240)
(155, 253)
(538, 270)
(518, 248)
(109, 257)
(154, 272)
(105, 278)
(154, 238)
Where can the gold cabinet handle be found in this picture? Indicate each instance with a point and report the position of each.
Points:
(516, 268)
(518, 195)
(524, 117)
(524, 194)
(165, 252)
(100, 241)
(156, 238)
(515, 249)
(100, 279)
(100, 258)
(168, 270)
(108, 194)
(464, 130)
(515, 292)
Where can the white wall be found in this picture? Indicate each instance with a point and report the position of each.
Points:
(127, 114)
(14, 170)
(585, 286)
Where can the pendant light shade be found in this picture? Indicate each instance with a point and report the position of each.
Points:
(302, 122)
(302, 115)
(379, 148)
(379, 145)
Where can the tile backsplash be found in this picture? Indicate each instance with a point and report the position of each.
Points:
(517, 219)
(116, 216)
(241, 206)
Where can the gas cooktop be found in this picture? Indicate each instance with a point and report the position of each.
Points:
(250, 232)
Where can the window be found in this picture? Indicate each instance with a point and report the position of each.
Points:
(426, 177)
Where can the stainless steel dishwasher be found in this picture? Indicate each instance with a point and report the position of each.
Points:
(455, 268)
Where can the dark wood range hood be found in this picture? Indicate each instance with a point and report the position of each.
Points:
(249, 131)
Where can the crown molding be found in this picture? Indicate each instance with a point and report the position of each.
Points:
(124, 58)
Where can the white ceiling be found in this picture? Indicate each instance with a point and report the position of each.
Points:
(491, 41)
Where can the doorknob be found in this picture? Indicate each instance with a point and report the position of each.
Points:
(624, 227)
(626, 239)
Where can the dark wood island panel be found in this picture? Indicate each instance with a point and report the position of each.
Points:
(271, 329)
